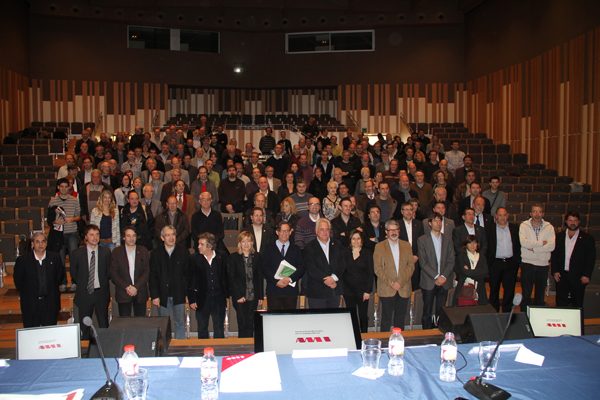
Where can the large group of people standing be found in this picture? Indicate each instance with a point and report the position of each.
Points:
(325, 218)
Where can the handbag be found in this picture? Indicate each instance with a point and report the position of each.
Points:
(467, 296)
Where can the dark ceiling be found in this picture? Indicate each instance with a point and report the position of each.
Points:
(261, 15)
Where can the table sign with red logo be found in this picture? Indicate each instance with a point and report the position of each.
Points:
(258, 372)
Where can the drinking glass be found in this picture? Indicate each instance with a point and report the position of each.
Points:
(486, 349)
(371, 353)
(136, 385)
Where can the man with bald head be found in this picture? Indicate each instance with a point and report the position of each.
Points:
(273, 203)
(403, 193)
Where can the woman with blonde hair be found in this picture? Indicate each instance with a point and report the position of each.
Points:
(289, 214)
(106, 217)
(419, 159)
(246, 282)
(329, 205)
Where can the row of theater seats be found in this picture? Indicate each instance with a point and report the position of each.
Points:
(38, 147)
(26, 161)
(259, 119)
(51, 126)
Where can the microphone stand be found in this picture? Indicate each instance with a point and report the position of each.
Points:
(110, 390)
(481, 389)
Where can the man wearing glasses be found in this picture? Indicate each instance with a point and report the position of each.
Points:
(394, 265)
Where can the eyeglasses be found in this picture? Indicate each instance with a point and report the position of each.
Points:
(314, 204)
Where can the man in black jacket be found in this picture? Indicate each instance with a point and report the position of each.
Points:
(345, 223)
(209, 286)
(503, 258)
(324, 268)
(90, 271)
(168, 281)
(37, 276)
(282, 293)
(142, 219)
(572, 262)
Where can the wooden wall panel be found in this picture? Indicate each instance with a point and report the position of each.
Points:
(14, 102)
(122, 104)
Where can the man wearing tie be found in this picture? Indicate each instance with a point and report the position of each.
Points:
(410, 230)
(436, 256)
(324, 268)
(90, 271)
(282, 294)
(482, 219)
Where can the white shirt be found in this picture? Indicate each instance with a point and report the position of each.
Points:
(40, 260)
(408, 226)
(325, 248)
(257, 236)
(131, 259)
(211, 258)
(569, 246)
(270, 180)
(89, 255)
(470, 230)
(437, 245)
(480, 218)
(396, 253)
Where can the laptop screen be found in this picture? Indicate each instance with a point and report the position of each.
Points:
(554, 321)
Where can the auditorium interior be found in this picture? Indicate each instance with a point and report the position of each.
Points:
(517, 83)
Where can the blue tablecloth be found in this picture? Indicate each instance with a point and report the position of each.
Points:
(571, 370)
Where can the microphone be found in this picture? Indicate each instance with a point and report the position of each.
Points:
(481, 389)
(110, 390)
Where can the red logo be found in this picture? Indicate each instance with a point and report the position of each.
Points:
(50, 346)
(315, 339)
(555, 325)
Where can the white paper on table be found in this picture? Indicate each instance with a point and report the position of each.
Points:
(156, 361)
(527, 356)
(504, 348)
(73, 395)
(320, 353)
(369, 375)
(191, 362)
(257, 372)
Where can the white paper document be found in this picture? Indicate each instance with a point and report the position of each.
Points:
(156, 361)
(320, 353)
(527, 356)
(74, 395)
(257, 372)
(191, 362)
(369, 375)
(285, 269)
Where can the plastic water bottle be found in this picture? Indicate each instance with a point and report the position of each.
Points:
(396, 353)
(448, 358)
(209, 370)
(130, 361)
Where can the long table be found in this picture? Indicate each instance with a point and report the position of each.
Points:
(571, 370)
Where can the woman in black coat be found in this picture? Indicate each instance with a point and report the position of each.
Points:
(471, 267)
(246, 283)
(318, 186)
(358, 277)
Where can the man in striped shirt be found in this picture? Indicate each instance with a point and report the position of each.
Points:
(64, 224)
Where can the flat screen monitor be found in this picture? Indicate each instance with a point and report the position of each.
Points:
(49, 342)
(284, 331)
(555, 321)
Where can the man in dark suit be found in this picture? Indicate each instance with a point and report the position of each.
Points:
(437, 273)
(262, 233)
(107, 178)
(324, 268)
(175, 217)
(37, 276)
(90, 271)
(461, 172)
(273, 204)
(282, 294)
(572, 262)
(469, 228)
(373, 228)
(469, 201)
(411, 229)
(129, 271)
(209, 286)
(207, 220)
(447, 223)
(403, 193)
(169, 277)
(503, 258)
(482, 218)
(441, 194)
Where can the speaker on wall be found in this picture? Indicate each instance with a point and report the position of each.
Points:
(147, 342)
(452, 318)
(483, 327)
